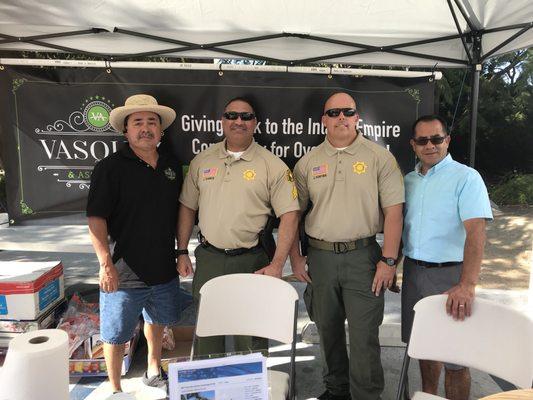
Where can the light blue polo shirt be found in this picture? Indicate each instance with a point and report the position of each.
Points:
(436, 204)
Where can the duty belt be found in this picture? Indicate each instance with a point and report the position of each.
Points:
(427, 264)
(341, 247)
(229, 252)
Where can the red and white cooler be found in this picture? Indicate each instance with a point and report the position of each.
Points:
(29, 289)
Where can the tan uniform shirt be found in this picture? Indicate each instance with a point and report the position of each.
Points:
(348, 189)
(235, 197)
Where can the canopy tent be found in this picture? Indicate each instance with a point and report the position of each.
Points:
(409, 33)
(288, 32)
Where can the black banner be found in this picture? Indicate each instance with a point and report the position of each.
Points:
(55, 126)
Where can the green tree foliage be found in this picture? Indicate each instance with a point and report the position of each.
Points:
(505, 118)
(516, 190)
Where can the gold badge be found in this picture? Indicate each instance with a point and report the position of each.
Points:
(294, 192)
(359, 167)
(289, 176)
(249, 175)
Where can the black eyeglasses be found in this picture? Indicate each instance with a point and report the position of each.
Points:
(233, 115)
(335, 112)
(422, 141)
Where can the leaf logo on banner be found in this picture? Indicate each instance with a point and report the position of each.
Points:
(96, 115)
(92, 117)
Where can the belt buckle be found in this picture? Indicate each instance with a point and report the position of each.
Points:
(340, 247)
(232, 252)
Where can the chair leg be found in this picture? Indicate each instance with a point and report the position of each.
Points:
(194, 337)
(292, 367)
(406, 389)
(403, 385)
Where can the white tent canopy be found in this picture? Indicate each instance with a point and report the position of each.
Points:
(294, 31)
(408, 33)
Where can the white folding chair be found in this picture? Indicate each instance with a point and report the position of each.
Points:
(252, 305)
(495, 338)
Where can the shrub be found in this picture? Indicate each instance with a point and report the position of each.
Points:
(516, 190)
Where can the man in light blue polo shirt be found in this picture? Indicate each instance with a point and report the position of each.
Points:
(446, 208)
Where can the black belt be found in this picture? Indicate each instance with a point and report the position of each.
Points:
(426, 264)
(340, 247)
(229, 252)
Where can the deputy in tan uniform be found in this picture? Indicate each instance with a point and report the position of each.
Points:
(235, 185)
(356, 190)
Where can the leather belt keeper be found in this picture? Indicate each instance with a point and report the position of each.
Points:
(341, 247)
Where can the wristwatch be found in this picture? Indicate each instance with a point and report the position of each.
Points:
(182, 252)
(391, 262)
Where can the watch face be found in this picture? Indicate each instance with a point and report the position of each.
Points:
(391, 262)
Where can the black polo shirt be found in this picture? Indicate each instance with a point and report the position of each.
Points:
(140, 205)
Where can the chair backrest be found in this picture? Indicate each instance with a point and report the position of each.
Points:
(495, 338)
(247, 304)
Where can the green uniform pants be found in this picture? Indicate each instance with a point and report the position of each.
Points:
(342, 289)
(211, 263)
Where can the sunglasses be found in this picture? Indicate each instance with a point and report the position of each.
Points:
(233, 115)
(422, 141)
(335, 112)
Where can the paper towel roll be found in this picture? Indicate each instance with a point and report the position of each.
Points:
(36, 367)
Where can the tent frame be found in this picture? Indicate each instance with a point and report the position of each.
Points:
(471, 39)
(466, 37)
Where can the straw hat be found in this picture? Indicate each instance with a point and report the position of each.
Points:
(141, 102)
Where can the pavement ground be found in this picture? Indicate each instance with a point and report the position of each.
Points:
(505, 278)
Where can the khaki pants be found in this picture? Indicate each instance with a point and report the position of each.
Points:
(341, 290)
(211, 263)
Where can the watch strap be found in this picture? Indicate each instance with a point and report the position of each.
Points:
(391, 262)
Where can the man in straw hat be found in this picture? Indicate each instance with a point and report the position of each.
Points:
(133, 199)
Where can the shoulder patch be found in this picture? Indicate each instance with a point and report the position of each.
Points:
(289, 176)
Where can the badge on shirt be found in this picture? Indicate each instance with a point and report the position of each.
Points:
(320, 171)
(209, 173)
(170, 174)
(359, 167)
(249, 175)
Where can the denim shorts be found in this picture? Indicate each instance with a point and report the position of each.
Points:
(120, 310)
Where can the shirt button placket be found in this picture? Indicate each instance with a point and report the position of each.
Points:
(227, 174)
(339, 176)
(419, 229)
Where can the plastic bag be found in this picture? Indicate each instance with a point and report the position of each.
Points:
(80, 321)
(168, 339)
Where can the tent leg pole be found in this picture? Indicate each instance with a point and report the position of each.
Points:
(474, 100)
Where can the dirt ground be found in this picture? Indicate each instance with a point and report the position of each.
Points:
(508, 260)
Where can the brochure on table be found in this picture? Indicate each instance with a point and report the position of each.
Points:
(242, 377)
